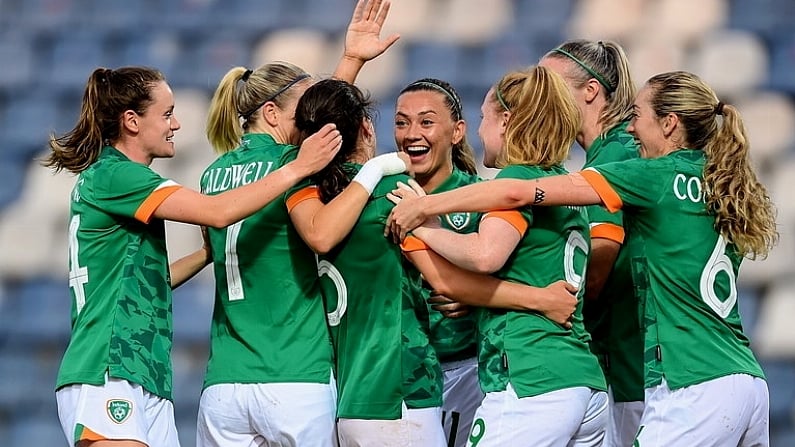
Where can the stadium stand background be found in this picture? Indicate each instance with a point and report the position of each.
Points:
(744, 48)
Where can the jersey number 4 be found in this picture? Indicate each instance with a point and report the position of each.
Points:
(78, 275)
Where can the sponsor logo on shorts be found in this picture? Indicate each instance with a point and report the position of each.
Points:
(119, 410)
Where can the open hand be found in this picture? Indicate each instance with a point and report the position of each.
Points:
(407, 213)
(318, 149)
(363, 38)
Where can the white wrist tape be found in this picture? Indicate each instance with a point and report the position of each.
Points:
(376, 168)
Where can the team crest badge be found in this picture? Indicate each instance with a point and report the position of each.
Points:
(457, 220)
(119, 410)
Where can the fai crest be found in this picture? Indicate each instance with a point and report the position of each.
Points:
(457, 220)
(119, 410)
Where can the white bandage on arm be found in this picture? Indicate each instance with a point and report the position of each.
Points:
(377, 167)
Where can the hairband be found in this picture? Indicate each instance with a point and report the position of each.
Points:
(500, 99)
(299, 78)
(449, 94)
(585, 67)
(246, 75)
(719, 108)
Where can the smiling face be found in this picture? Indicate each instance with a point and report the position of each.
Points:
(156, 126)
(426, 131)
(492, 129)
(647, 127)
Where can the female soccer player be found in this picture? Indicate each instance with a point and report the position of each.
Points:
(598, 75)
(696, 208)
(115, 382)
(388, 380)
(269, 373)
(430, 128)
(543, 386)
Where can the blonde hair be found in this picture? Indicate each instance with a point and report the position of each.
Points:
(608, 62)
(242, 92)
(744, 213)
(544, 117)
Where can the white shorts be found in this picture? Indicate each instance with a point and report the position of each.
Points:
(462, 397)
(568, 417)
(418, 427)
(623, 422)
(117, 410)
(257, 414)
(730, 410)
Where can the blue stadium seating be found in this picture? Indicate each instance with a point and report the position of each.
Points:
(782, 61)
(17, 49)
(781, 381)
(13, 175)
(39, 312)
(28, 120)
(433, 60)
(764, 17)
(193, 309)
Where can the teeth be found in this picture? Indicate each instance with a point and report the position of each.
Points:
(417, 149)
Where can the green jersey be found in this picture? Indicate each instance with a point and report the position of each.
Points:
(526, 349)
(268, 323)
(613, 320)
(454, 338)
(118, 277)
(382, 351)
(683, 270)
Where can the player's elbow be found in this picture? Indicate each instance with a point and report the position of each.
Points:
(486, 263)
(319, 244)
(516, 195)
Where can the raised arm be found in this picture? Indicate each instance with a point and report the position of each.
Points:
(363, 38)
(500, 194)
(189, 206)
(323, 226)
(556, 301)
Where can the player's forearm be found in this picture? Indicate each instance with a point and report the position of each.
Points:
(348, 69)
(332, 222)
(239, 203)
(222, 210)
(188, 266)
(464, 250)
(505, 194)
(600, 264)
(464, 286)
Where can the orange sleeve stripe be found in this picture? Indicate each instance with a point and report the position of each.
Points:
(412, 243)
(145, 211)
(608, 195)
(608, 231)
(310, 192)
(513, 217)
(87, 435)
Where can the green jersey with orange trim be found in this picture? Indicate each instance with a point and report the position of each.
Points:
(526, 349)
(613, 319)
(375, 312)
(454, 338)
(119, 277)
(683, 270)
(268, 324)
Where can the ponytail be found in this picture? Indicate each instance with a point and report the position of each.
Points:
(223, 121)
